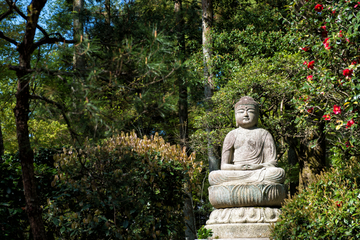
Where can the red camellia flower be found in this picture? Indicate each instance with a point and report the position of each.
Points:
(319, 7)
(350, 123)
(327, 44)
(337, 109)
(309, 78)
(311, 64)
(338, 203)
(323, 31)
(327, 117)
(305, 49)
(347, 72)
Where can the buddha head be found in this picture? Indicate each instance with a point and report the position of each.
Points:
(246, 112)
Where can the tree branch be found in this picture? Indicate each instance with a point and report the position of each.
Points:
(4, 15)
(51, 40)
(10, 40)
(25, 17)
(62, 108)
(50, 72)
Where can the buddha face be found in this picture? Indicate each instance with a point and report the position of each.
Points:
(246, 116)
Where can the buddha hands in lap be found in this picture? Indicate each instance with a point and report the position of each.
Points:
(249, 153)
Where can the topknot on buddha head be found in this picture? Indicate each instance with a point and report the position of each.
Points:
(247, 101)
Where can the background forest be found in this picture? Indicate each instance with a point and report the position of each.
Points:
(114, 112)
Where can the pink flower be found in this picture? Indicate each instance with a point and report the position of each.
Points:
(311, 64)
(327, 117)
(305, 49)
(357, 4)
(347, 40)
(347, 72)
(309, 78)
(319, 7)
(337, 109)
(350, 123)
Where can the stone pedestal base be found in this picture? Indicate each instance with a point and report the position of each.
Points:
(242, 223)
(240, 230)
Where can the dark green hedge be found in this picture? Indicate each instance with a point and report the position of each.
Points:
(327, 209)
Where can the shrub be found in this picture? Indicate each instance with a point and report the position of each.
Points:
(14, 222)
(127, 188)
(328, 209)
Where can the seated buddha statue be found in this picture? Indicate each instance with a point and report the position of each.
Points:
(248, 175)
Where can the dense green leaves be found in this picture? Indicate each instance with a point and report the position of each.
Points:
(327, 209)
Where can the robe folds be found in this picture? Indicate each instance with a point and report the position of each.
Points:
(248, 146)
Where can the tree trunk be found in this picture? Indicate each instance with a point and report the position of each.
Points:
(207, 18)
(190, 227)
(78, 6)
(1, 145)
(21, 113)
(313, 160)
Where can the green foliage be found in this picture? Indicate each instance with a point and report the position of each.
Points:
(13, 219)
(204, 233)
(127, 187)
(327, 209)
(330, 38)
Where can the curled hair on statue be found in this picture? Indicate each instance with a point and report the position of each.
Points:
(247, 101)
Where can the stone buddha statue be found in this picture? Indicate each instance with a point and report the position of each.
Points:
(249, 152)
(248, 190)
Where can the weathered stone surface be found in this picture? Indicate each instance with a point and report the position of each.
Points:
(262, 195)
(244, 215)
(248, 179)
(240, 230)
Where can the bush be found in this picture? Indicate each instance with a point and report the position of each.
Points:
(14, 223)
(328, 209)
(127, 188)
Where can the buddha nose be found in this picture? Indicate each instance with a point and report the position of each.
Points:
(246, 113)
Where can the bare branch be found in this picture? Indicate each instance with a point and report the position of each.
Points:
(51, 40)
(4, 15)
(10, 40)
(25, 17)
(73, 134)
(47, 71)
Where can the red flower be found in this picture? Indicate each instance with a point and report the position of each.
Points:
(310, 110)
(309, 78)
(347, 72)
(319, 7)
(337, 109)
(311, 64)
(326, 44)
(338, 204)
(340, 34)
(324, 32)
(354, 62)
(327, 117)
(305, 63)
(350, 123)
(305, 49)
(333, 12)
